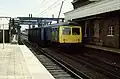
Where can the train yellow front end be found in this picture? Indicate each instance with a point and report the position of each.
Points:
(70, 34)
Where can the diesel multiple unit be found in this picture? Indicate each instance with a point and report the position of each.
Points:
(56, 33)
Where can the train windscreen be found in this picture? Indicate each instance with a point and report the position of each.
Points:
(66, 31)
(75, 31)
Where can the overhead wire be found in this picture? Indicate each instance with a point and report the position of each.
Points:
(50, 6)
(55, 6)
(44, 2)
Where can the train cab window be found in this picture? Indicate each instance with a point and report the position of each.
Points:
(66, 31)
(75, 31)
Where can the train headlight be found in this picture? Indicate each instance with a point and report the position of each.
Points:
(64, 40)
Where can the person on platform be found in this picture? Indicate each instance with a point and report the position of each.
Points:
(14, 35)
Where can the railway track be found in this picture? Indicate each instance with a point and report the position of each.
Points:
(67, 66)
(55, 67)
(104, 67)
(81, 62)
(110, 70)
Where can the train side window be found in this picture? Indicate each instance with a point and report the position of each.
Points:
(52, 29)
(75, 31)
(66, 31)
(56, 29)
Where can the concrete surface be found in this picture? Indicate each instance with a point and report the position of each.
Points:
(18, 62)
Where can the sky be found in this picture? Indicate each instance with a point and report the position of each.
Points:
(38, 8)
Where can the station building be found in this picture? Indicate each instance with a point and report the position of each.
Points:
(4, 24)
(100, 21)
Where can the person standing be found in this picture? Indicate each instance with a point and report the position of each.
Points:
(14, 35)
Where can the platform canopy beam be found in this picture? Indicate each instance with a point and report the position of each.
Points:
(40, 18)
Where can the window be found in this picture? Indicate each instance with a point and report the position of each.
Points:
(53, 29)
(86, 25)
(96, 28)
(110, 31)
(75, 31)
(56, 29)
(66, 31)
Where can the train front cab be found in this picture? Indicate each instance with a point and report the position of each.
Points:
(70, 35)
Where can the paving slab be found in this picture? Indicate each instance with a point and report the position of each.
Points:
(18, 62)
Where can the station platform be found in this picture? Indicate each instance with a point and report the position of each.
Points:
(109, 49)
(18, 62)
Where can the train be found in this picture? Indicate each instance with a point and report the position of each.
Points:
(60, 34)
